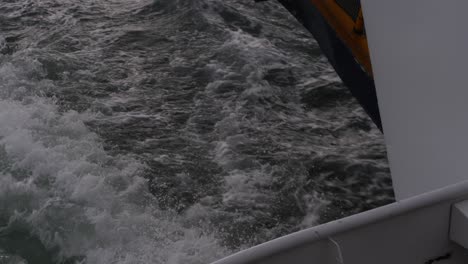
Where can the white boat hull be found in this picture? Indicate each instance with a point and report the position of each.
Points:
(412, 231)
(419, 57)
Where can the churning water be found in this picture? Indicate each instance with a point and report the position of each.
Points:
(171, 131)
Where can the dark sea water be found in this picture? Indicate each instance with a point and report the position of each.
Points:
(171, 131)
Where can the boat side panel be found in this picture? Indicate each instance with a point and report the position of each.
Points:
(350, 71)
(419, 56)
(408, 232)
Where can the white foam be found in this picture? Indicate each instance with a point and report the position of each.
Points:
(57, 182)
(244, 189)
(6, 258)
(311, 206)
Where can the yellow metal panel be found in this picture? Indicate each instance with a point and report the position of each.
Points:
(347, 30)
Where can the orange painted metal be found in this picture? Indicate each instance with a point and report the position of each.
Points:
(359, 23)
(347, 30)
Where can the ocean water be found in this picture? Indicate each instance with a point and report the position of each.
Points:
(171, 131)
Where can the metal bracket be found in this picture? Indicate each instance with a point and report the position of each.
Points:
(459, 224)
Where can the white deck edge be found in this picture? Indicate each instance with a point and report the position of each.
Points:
(456, 192)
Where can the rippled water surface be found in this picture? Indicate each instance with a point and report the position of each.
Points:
(171, 131)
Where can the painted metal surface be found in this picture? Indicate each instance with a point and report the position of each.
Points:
(344, 27)
(338, 53)
(459, 224)
(419, 58)
(412, 231)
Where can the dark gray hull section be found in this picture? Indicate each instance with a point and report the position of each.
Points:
(350, 71)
